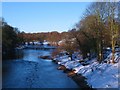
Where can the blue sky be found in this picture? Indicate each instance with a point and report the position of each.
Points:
(43, 16)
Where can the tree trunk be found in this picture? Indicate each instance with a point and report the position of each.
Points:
(113, 49)
(100, 52)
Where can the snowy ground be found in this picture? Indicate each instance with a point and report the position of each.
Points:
(99, 75)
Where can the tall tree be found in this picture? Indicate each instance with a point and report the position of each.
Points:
(10, 38)
(113, 9)
(104, 15)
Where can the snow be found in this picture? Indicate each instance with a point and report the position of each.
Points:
(37, 43)
(62, 58)
(104, 75)
(77, 56)
(62, 41)
(99, 75)
(76, 69)
(71, 64)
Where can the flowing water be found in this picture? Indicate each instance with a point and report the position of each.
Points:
(29, 71)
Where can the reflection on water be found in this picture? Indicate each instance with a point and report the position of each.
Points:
(29, 71)
(16, 54)
(32, 55)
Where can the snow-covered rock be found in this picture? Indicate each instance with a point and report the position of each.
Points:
(71, 64)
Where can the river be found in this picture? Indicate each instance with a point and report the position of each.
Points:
(29, 71)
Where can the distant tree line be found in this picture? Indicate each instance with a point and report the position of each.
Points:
(49, 36)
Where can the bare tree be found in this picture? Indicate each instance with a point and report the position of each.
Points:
(105, 12)
(113, 9)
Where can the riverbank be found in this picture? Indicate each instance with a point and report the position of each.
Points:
(79, 79)
(90, 73)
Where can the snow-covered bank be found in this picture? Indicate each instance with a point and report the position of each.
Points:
(99, 75)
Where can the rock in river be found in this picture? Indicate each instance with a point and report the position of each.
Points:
(45, 57)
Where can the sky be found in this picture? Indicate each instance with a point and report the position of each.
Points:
(33, 17)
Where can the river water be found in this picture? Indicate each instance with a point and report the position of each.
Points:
(29, 71)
